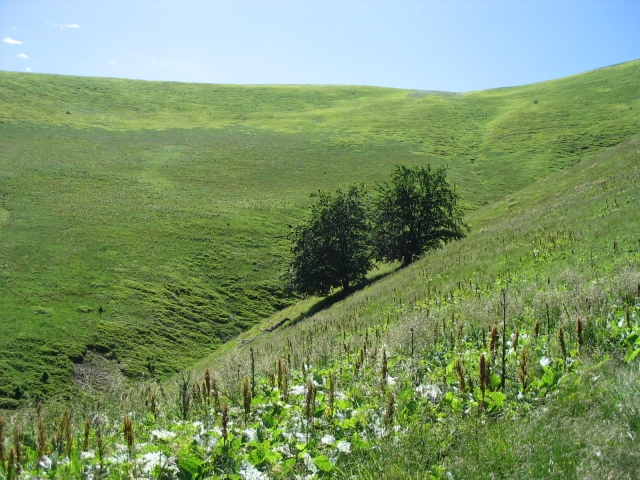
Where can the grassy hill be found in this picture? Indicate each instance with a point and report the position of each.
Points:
(386, 383)
(563, 249)
(148, 220)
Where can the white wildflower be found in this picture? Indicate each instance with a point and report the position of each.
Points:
(379, 432)
(328, 439)
(432, 392)
(249, 472)
(45, 462)
(164, 434)
(343, 446)
(341, 396)
(118, 458)
(298, 390)
(391, 380)
(250, 434)
(284, 450)
(200, 426)
(90, 455)
(545, 361)
(149, 461)
(308, 462)
(120, 448)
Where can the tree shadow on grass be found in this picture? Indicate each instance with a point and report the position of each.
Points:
(338, 296)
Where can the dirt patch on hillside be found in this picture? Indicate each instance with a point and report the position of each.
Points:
(97, 373)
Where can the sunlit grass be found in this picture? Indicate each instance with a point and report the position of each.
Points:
(167, 205)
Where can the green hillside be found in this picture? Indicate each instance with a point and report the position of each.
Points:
(563, 249)
(166, 206)
(386, 382)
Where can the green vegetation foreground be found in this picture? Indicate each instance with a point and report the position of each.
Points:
(148, 220)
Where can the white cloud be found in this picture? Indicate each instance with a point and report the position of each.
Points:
(62, 26)
(111, 62)
(12, 41)
(22, 55)
(28, 69)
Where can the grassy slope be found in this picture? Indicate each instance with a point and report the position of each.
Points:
(582, 223)
(168, 204)
(565, 247)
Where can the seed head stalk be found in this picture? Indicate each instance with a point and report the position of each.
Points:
(483, 376)
(504, 339)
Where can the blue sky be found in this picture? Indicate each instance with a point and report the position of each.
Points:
(432, 45)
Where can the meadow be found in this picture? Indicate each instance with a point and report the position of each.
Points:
(148, 221)
(510, 354)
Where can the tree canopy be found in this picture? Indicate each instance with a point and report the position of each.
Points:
(417, 212)
(346, 231)
(332, 248)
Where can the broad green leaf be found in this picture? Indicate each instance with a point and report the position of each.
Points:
(631, 354)
(323, 463)
(189, 467)
(549, 377)
(269, 421)
(497, 398)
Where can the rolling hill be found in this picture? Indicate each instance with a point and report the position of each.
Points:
(148, 220)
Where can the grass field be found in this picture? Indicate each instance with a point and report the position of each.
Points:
(385, 383)
(166, 206)
(563, 249)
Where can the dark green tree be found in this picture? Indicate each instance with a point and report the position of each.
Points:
(417, 212)
(332, 248)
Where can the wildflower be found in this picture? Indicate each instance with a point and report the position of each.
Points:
(545, 361)
(163, 434)
(563, 347)
(308, 462)
(44, 462)
(343, 446)
(88, 455)
(250, 434)
(328, 439)
(432, 392)
(246, 396)
(483, 374)
(493, 345)
(298, 390)
(284, 450)
(249, 472)
(151, 460)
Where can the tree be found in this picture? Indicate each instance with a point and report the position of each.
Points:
(416, 213)
(331, 249)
